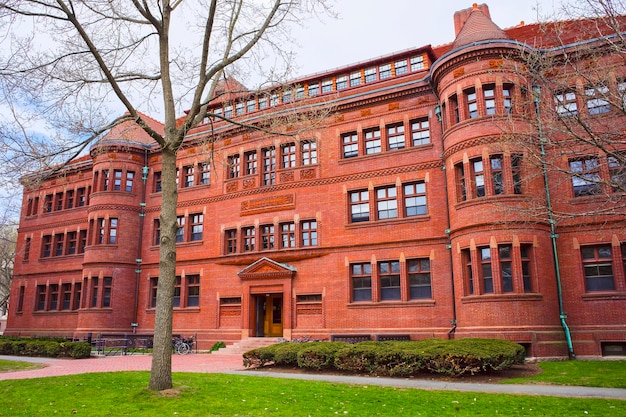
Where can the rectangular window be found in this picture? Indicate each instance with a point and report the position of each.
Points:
(455, 117)
(506, 267)
(287, 96)
(308, 231)
(361, 277)
(205, 173)
(486, 269)
(58, 245)
(54, 297)
(193, 290)
(112, 231)
(41, 298)
(157, 232)
(395, 136)
(566, 105)
(72, 243)
(299, 93)
(231, 241)
(239, 108)
(350, 144)
(355, 79)
(471, 103)
(26, 249)
(189, 176)
(516, 171)
(58, 201)
(248, 239)
(81, 197)
(177, 287)
(585, 176)
(69, 199)
(262, 103)
(47, 203)
(77, 294)
(288, 155)
(20, 299)
(417, 63)
(384, 71)
(274, 100)
(617, 171)
(250, 160)
(233, 166)
(82, 241)
(250, 106)
(370, 75)
(597, 102)
(415, 199)
(154, 282)
(117, 180)
(506, 94)
(341, 82)
(314, 90)
(525, 252)
(598, 268)
(489, 95)
(308, 150)
(269, 166)
(478, 177)
(46, 246)
(359, 206)
(180, 229)
(386, 203)
(107, 286)
(267, 236)
(372, 141)
(497, 177)
(389, 276)
(401, 67)
(157, 182)
(106, 180)
(420, 132)
(287, 235)
(197, 226)
(327, 86)
(419, 279)
(94, 292)
(130, 176)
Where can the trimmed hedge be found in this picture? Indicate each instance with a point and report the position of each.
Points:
(50, 348)
(450, 357)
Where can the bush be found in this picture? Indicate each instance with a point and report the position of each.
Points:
(260, 356)
(319, 355)
(286, 354)
(79, 350)
(44, 347)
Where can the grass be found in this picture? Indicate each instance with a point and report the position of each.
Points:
(606, 374)
(11, 366)
(220, 395)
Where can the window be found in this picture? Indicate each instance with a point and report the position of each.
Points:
(401, 67)
(189, 176)
(420, 132)
(197, 226)
(350, 144)
(461, 189)
(327, 86)
(107, 285)
(66, 296)
(359, 206)
(94, 292)
(478, 177)
(58, 245)
(395, 136)
(505, 253)
(415, 199)
(617, 170)
(82, 241)
(269, 166)
(288, 155)
(455, 117)
(308, 231)
(231, 241)
(361, 277)
(417, 63)
(250, 106)
(205, 173)
(370, 75)
(497, 177)
(157, 232)
(69, 199)
(341, 82)
(472, 104)
(77, 295)
(154, 282)
(157, 182)
(20, 299)
(419, 279)
(267, 237)
(299, 93)
(72, 242)
(516, 172)
(506, 94)
(46, 246)
(314, 90)
(262, 103)
(130, 175)
(117, 180)
(384, 71)
(598, 268)
(355, 79)
(596, 99)
(389, 276)
(193, 290)
(308, 150)
(248, 239)
(177, 288)
(40, 295)
(489, 95)
(81, 197)
(58, 201)
(54, 297)
(309, 298)
(239, 108)
(274, 100)
(372, 141)
(287, 235)
(486, 269)
(106, 181)
(250, 160)
(585, 176)
(566, 105)
(386, 203)
(525, 252)
(26, 249)
(233, 166)
(47, 203)
(287, 96)
(180, 229)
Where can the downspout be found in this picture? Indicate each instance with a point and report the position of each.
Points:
(142, 215)
(553, 234)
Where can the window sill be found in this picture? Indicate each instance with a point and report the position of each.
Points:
(53, 312)
(187, 309)
(386, 153)
(604, 296)
(392, 304)
(387, 222)
(490, 199)
(494, 298)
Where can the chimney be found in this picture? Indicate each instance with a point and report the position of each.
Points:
(461, 16)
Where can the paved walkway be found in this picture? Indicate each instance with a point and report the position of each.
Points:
(232, 364)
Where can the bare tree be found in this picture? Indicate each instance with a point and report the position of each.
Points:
(8, 235)
(70, 61)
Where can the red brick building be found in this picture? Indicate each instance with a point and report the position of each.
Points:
(402, 214)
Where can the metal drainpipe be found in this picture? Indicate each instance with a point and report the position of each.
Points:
(142, 215)
(553, 234)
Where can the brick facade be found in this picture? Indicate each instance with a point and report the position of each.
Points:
(361, 226)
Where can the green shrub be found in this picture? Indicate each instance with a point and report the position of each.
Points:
(380, 358)
(286, 354)
(260, 356)
(319, 355)
(79, 350)
(218, 346)
(44, 347)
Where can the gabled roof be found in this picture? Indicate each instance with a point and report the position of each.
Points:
(477, 27)
(267, 268)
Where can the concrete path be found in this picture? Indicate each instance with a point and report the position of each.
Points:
(232, 364)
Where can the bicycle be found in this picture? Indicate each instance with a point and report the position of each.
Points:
(182, 345)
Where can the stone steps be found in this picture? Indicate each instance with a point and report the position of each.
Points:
(242, 346)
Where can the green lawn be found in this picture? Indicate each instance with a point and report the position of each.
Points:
(606, 374)
(11, 366)
(219, 395)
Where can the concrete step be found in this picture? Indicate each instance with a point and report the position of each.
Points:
(242, 346)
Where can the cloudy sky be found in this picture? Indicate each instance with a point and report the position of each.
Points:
(367, 29)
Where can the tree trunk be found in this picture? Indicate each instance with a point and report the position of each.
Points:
(161, 371)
